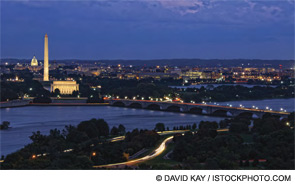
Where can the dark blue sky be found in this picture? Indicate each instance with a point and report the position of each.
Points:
(148, 29)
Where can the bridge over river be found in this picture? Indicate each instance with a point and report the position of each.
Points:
(214, 110)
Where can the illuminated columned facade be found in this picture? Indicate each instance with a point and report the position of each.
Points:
(65, 87)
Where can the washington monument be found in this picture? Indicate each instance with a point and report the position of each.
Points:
(46, 77)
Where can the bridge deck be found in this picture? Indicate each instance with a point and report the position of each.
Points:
(203, 105)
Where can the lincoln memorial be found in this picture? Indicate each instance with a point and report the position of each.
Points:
(65, 87)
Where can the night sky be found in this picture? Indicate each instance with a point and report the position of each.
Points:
(142, 29)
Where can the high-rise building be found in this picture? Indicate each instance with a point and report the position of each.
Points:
(46, 61)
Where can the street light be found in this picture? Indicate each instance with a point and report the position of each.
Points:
(34, 156)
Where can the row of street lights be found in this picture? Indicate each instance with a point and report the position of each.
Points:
(203, 102)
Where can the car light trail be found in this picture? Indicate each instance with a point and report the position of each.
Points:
(154, 154)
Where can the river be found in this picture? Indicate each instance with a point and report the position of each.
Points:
(25, 120)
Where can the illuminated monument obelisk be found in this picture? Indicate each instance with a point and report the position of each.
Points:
(46, 71)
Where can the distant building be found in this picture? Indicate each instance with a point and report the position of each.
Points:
(34, 62)
(65, 87)
(157, 76)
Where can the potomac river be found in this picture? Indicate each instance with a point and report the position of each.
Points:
(25, 120)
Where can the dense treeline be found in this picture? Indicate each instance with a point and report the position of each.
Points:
(235, 93)
(271, 140)
(79, 147)
(132, 88)
(14, 90)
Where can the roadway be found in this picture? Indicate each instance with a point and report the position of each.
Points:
(121, 138)
(152, 155)
(208, 105)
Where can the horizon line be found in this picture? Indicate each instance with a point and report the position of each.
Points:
(152, 59)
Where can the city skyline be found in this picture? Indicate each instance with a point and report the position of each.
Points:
(149, 30)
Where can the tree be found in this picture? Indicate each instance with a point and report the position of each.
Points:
(194, 126)
(255, 162)
(223, 124)
(42, 99)
(160, 127)
(94, 128)
(121, 129)
(75, 93)
(238, 127)
(4, 125)
(57, 91)
(208, 125)
(211, 164)
(114, 131)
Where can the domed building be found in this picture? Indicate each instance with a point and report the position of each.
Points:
(34, 62)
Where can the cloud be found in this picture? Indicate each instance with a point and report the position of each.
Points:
(183, 6)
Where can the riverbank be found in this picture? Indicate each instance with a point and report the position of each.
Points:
(55, 102)
(68, 104)
(14, 103)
